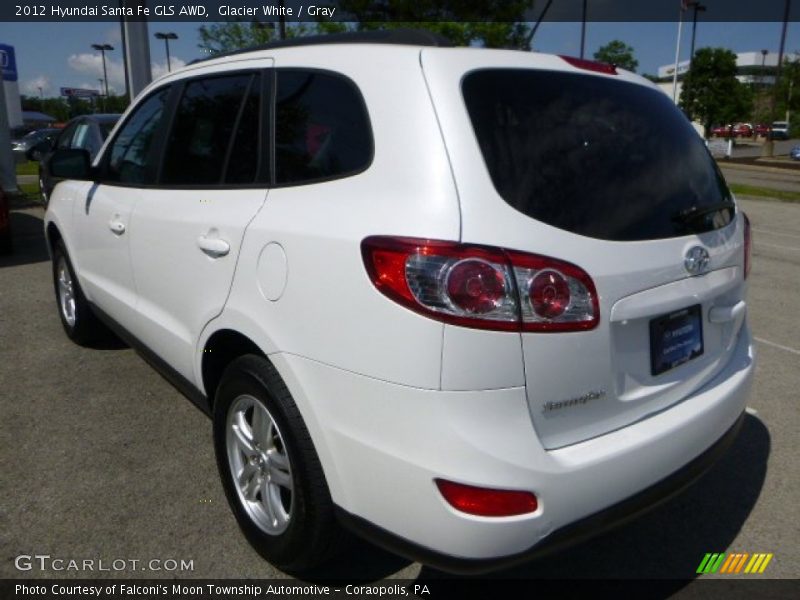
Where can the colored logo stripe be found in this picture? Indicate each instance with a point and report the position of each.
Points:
(758, 563)
(734, 562)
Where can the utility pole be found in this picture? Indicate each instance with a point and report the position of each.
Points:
(583, 29)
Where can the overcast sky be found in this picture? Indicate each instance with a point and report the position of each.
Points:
(55, 55)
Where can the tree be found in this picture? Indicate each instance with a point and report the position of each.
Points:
(711, 93)
(490, 23)
(617, 53)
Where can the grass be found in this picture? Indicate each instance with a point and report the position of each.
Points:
(28, 168)
(763, 192)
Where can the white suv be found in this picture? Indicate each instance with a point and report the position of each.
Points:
(472, 304)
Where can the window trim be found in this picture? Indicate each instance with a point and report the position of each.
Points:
(266, 172)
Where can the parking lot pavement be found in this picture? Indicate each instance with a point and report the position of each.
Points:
(102, 459)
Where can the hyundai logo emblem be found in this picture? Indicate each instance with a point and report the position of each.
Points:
(696, 261)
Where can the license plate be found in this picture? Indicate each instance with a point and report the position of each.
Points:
(675, 338)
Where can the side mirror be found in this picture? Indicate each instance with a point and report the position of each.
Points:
(70, 164)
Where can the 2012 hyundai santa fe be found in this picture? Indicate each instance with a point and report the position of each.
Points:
(469, 303)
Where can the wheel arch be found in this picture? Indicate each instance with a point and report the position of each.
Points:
(221, 349)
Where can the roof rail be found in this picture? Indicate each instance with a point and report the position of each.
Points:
(407, 37)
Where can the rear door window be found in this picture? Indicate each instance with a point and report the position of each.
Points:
(203, 129)
(594, 156)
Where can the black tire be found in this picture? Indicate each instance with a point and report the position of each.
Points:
(312, 535)
(86, 328)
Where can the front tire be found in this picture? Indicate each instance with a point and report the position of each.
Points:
(80, 323)
(270, 471)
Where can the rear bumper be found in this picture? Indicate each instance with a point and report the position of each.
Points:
(564, 537)
(382, 445)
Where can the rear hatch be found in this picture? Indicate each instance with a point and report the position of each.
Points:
(600, 170)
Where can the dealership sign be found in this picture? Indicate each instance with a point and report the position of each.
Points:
(78, 93)
(8, 62)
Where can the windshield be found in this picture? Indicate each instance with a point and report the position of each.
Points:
(595, 156)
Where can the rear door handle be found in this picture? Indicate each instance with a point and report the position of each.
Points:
(214, 247)
(116, 226)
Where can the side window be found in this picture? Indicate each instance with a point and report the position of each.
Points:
(81, 139)
(321, 127)
(64, 140)
(130, 159)
(203, 128)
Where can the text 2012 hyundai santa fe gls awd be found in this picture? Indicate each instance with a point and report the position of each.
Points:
(470, 303)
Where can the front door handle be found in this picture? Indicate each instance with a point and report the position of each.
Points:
(116, 226)
(214, 247)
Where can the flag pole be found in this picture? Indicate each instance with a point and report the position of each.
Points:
(677, 56)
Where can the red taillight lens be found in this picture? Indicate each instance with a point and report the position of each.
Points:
(486, 502)
(482, 287)
(748, 246)
(590, 65)
(476, 286)
(549, 294)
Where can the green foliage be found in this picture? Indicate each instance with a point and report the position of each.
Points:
(617, 53)
(64, 109)
(490, 23)
(711, 93)
(787, 93)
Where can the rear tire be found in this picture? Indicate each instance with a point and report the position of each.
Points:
(270, 471)
(80, 323)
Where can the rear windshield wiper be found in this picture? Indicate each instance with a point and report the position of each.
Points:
(691, 214)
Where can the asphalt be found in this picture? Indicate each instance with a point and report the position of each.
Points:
(102, 459)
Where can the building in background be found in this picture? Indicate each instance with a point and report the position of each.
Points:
(753, 68)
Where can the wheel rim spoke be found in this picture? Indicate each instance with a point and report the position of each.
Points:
(281, 478)
(243, 437)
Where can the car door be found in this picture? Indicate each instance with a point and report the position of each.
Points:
(101, 246)
(186, 232)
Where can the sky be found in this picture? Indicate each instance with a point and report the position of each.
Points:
(55, 55)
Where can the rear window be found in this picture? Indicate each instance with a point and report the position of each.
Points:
(595, 156)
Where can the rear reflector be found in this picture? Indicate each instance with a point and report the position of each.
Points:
(748, 246)
(486, 502)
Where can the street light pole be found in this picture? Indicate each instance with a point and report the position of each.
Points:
(102, 48)
(768, 149)
(763, 60)
(167, 37)
(697, 8)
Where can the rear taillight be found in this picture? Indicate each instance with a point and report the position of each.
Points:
(482, 287)
(748, 246)
(487, 502)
